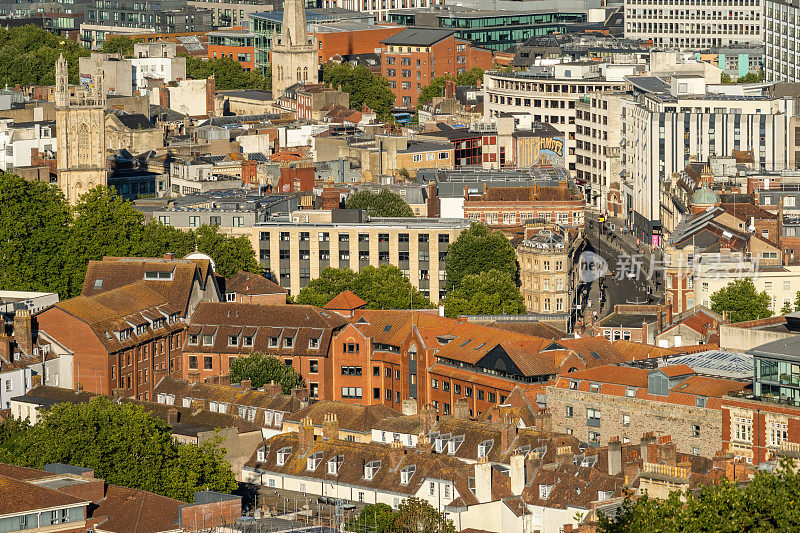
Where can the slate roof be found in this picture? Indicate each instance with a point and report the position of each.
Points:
(134, 121)
(418, 37)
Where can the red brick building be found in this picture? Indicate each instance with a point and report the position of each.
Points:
(509, 207)
(414, 56)
(235, 43)
(350, 38)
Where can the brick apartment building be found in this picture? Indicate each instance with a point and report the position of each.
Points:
(414, 56)
(350, 38)
(613, 401)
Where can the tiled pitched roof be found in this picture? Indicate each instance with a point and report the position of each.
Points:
(125, 509)
(252, 284)
(302, 323)
(345, 301)
(229, 394)
(571, 486)
(677, 370)
(536, 329)
(17, 496)
(351, 417)
(636, 351)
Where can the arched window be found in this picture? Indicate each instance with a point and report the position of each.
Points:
(83, 144)
(298, 73)
(305, 73)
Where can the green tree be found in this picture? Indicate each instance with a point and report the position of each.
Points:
(385, 287)
(436, 86)
(261, 369)
(725, 78)
(228, 74)
(364, 87)
(417, 515)
(373, 518)
(767, 503)
(230, 254)
(752, 77)
(122, 443)
(489, 293)
(787, 308)
(120, 44)
(740, 300)
(34, 231)
(383, 204)
(479, 249)
(28, 56)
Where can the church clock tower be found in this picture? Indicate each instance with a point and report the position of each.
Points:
(294, 59)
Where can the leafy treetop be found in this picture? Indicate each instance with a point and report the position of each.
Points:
(364, 87)
(261, 369)
(488, 293)
(436, 86)
(228, 74)
(479, 249)
(741, 301)
(28, 56)
(383, 204)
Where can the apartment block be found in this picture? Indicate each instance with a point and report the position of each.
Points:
(692, 25)
(295, 252)
(781, 40)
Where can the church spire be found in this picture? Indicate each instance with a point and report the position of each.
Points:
(62, 82)
(294, 31)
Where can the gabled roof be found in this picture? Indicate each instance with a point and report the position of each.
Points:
(18, 496)
(251, 284)
(351, 417)
(345, 301)
(126, 509)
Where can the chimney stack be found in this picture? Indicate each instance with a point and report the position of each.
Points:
(300, 393)
(23, 330)
(396, 453)
(461, 409)
(246, 384)
(647, 440)
(483, 480)
(614, 456)
(6, 348)
(330, 427)
(305, 434)
(172, 416)
(273, 389)
(423, 443)
(169, 255)
(428, 417)
(517, 473)
(508, 432)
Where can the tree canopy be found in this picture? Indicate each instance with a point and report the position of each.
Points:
(741, 301)
(384, 287)
(489, 293)
(479, 249)
(364, 87)
(750, 77)
(120, 44)
(122, 443)
(767, 503)
(412, 515)
(383, 204)
(228, 74)
(436, 86)
(47, 244)
(261, 369)
(373, 518)
(28, 56)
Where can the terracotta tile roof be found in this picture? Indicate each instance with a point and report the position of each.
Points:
(252, 284)
(115, 272)
(346, 301)
(536, 329)
(711, 387)
(355, 455)
(352, 417)
(637, 351)
(18, 496)
(124, 509)
(306, 325)
(618, 375)
(571, 486)
(22, 472)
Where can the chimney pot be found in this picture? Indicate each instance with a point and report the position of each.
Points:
(246, 385)
(23, 330)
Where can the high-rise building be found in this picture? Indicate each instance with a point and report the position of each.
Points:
(781, 40)
(294, 59)
(692, 25)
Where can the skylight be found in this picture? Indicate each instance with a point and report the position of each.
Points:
(387, 327)
(466, 342)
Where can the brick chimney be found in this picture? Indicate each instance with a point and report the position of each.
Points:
(668, 454)
(172, 416)
(169, 255)
(396, 453)
(508, 432)
(23, 330)
(614, 456)
(305, 434)
(330, 427)
(644, 447)
(5, 348)
(423, 443)
(273, 389)
(461, 409)
(543, 421)
(300, 393)
(428, 416)
(246, 385)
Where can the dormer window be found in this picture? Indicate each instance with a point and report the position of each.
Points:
(288, 342)
(573, 385)
(334, 463)
(208, 340)
(313, 343)
(274, 342)
(485, 447)
(194, 339)
(261, 454)
(313, 461)
(406, 474)
(247, 341)
(283, 455)
(594, 387)
(453, 444)
(544, 491)
(603, 495)
(371, 468)
(233, 340)
(154, 275)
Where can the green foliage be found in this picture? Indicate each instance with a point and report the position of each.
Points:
(478, 249)
(489, 293)
(385, 287)
(28, 56)
(436, 87)
(741, 301)
(120, 44)
(123, 444)
(364, 87)
(261, 369)
(725, 78)
(228, 74)
(750, 77)
(373, 518)
(415, 514)
(47, 245)
(767, 503)
(383, 204)
(787, 308)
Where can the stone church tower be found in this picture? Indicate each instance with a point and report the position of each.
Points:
(80, 135)
(294, 59)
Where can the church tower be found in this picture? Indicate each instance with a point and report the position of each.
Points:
(294, 59)
(80, 135)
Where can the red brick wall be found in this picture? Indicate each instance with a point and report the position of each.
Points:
(196, 517)
(233, 52)
(352, 42)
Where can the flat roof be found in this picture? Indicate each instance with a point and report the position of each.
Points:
(418, 36)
